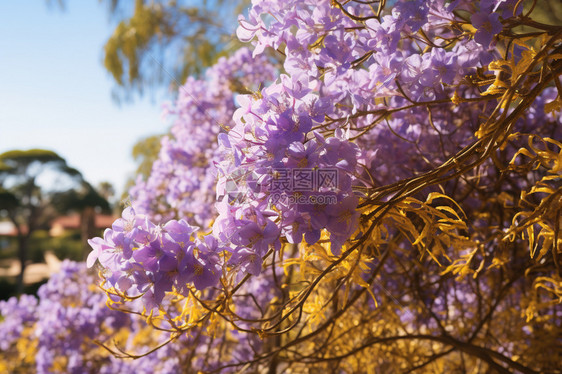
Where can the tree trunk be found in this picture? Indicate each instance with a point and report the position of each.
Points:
(87, 229)
(22, 256)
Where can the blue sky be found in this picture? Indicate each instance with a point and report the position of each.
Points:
(55, 93)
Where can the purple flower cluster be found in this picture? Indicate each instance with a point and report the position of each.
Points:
(58, 330)
(61, 324)
(486, 20)
(17, 314)
(271, 138)
(139, 258)
(76, 315)
(182, 180)
(342, 79)
(306, 118)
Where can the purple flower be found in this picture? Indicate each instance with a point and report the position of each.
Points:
(343, 216)
(443, 68)
(202, 270)
(487, 25)
(296, 224)
(385, 35)
(258, 237)
(149, 256)
(248, 28)
(247, 260)
(337, 51)
(302, 155)
(295, 86)
(111, 250)
(180, 231)
(413, 12)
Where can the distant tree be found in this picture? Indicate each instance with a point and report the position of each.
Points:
(106, 190)
(138, 54)
(29, 181)
(145, 152)
(162, 42)
(85, 200)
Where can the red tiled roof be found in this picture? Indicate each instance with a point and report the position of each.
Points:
(73, 221)
(104, 221)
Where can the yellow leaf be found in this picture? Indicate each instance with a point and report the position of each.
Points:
(498, 87)
(553, 106)
(522, 65)
(456, 99)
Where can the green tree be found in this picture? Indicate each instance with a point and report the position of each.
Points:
(138, 53)
(106, 190)
(29, 181)
(87, 201)
(145, 152)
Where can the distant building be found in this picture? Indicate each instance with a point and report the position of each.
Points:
(7, 229)
(62, 224)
